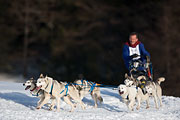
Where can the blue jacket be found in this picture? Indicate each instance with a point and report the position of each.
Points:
(139, 49)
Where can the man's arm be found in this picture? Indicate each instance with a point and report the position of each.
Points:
(144, 53)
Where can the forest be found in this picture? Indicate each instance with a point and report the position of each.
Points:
(67, 38)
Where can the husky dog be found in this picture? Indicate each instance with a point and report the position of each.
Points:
(57, 90)
(140, 95)
(31, 84)
(85, 87)
(155, 90)
(130, 94)
(152, 88)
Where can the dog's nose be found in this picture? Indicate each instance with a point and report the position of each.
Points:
(23, 84)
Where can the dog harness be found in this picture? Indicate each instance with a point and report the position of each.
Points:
(66, 88)
(51, 89)
(37, 94)
(92, 86)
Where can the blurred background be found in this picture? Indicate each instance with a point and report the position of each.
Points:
(66, 38)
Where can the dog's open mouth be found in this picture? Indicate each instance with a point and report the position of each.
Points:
(121, 92)
(37, 88)
(27, 87)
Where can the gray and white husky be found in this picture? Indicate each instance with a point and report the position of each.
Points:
(31, 85)
(153, 88)
(57, 90)
(86, 87)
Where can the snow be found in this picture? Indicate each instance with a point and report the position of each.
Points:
(18, 104)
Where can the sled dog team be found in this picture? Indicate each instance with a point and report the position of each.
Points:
(46, 89)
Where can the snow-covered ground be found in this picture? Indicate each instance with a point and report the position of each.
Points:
(18, 104)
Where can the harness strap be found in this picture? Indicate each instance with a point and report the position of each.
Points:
(66, 88)
(37, 94)
(92, 86)
(127, 97)
(51, 88)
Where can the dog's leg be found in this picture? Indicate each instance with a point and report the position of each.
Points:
(94, 97)
(160, 99)
(155, 100)
(68, 101)
(125, 101)
(147, 102)
(131, 104)
(74, 95)
(139, 103)
(53, 101)
(97, 92)
(58, 103)
(45, 100)
(40, 100)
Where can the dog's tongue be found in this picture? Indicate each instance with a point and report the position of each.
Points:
(27, 87)
(37, 88)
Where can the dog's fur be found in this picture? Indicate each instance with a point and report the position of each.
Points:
(85, 87)
(152, 88)
(31, 85)
(129, 94)
(155, 90)
(57, 91)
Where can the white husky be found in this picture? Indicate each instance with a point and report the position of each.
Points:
(58, 90)
(31, 85)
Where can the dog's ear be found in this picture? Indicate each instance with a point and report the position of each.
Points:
(41, 75)
(126, 75)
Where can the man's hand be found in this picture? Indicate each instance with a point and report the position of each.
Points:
(134, 55)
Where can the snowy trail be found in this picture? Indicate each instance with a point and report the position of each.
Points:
(18, 104)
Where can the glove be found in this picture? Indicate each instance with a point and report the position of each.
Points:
(147, 59)
(134, 55)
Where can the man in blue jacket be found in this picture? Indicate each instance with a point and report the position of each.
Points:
(134, 50)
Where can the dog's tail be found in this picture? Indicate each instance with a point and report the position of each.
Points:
(161, 79)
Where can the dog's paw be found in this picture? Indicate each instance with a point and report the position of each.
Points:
(57, 110)
(38, 107)
(71, 111)
(95, 106)
(147, 107)
(75, 105)
(137, 108)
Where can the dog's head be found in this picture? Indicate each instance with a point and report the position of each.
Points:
(122, 89)
(79, 84)
(41, 82)
(128, 80)
(149, 88)
(30, 84)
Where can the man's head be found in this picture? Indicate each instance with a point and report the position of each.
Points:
(133, 38)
